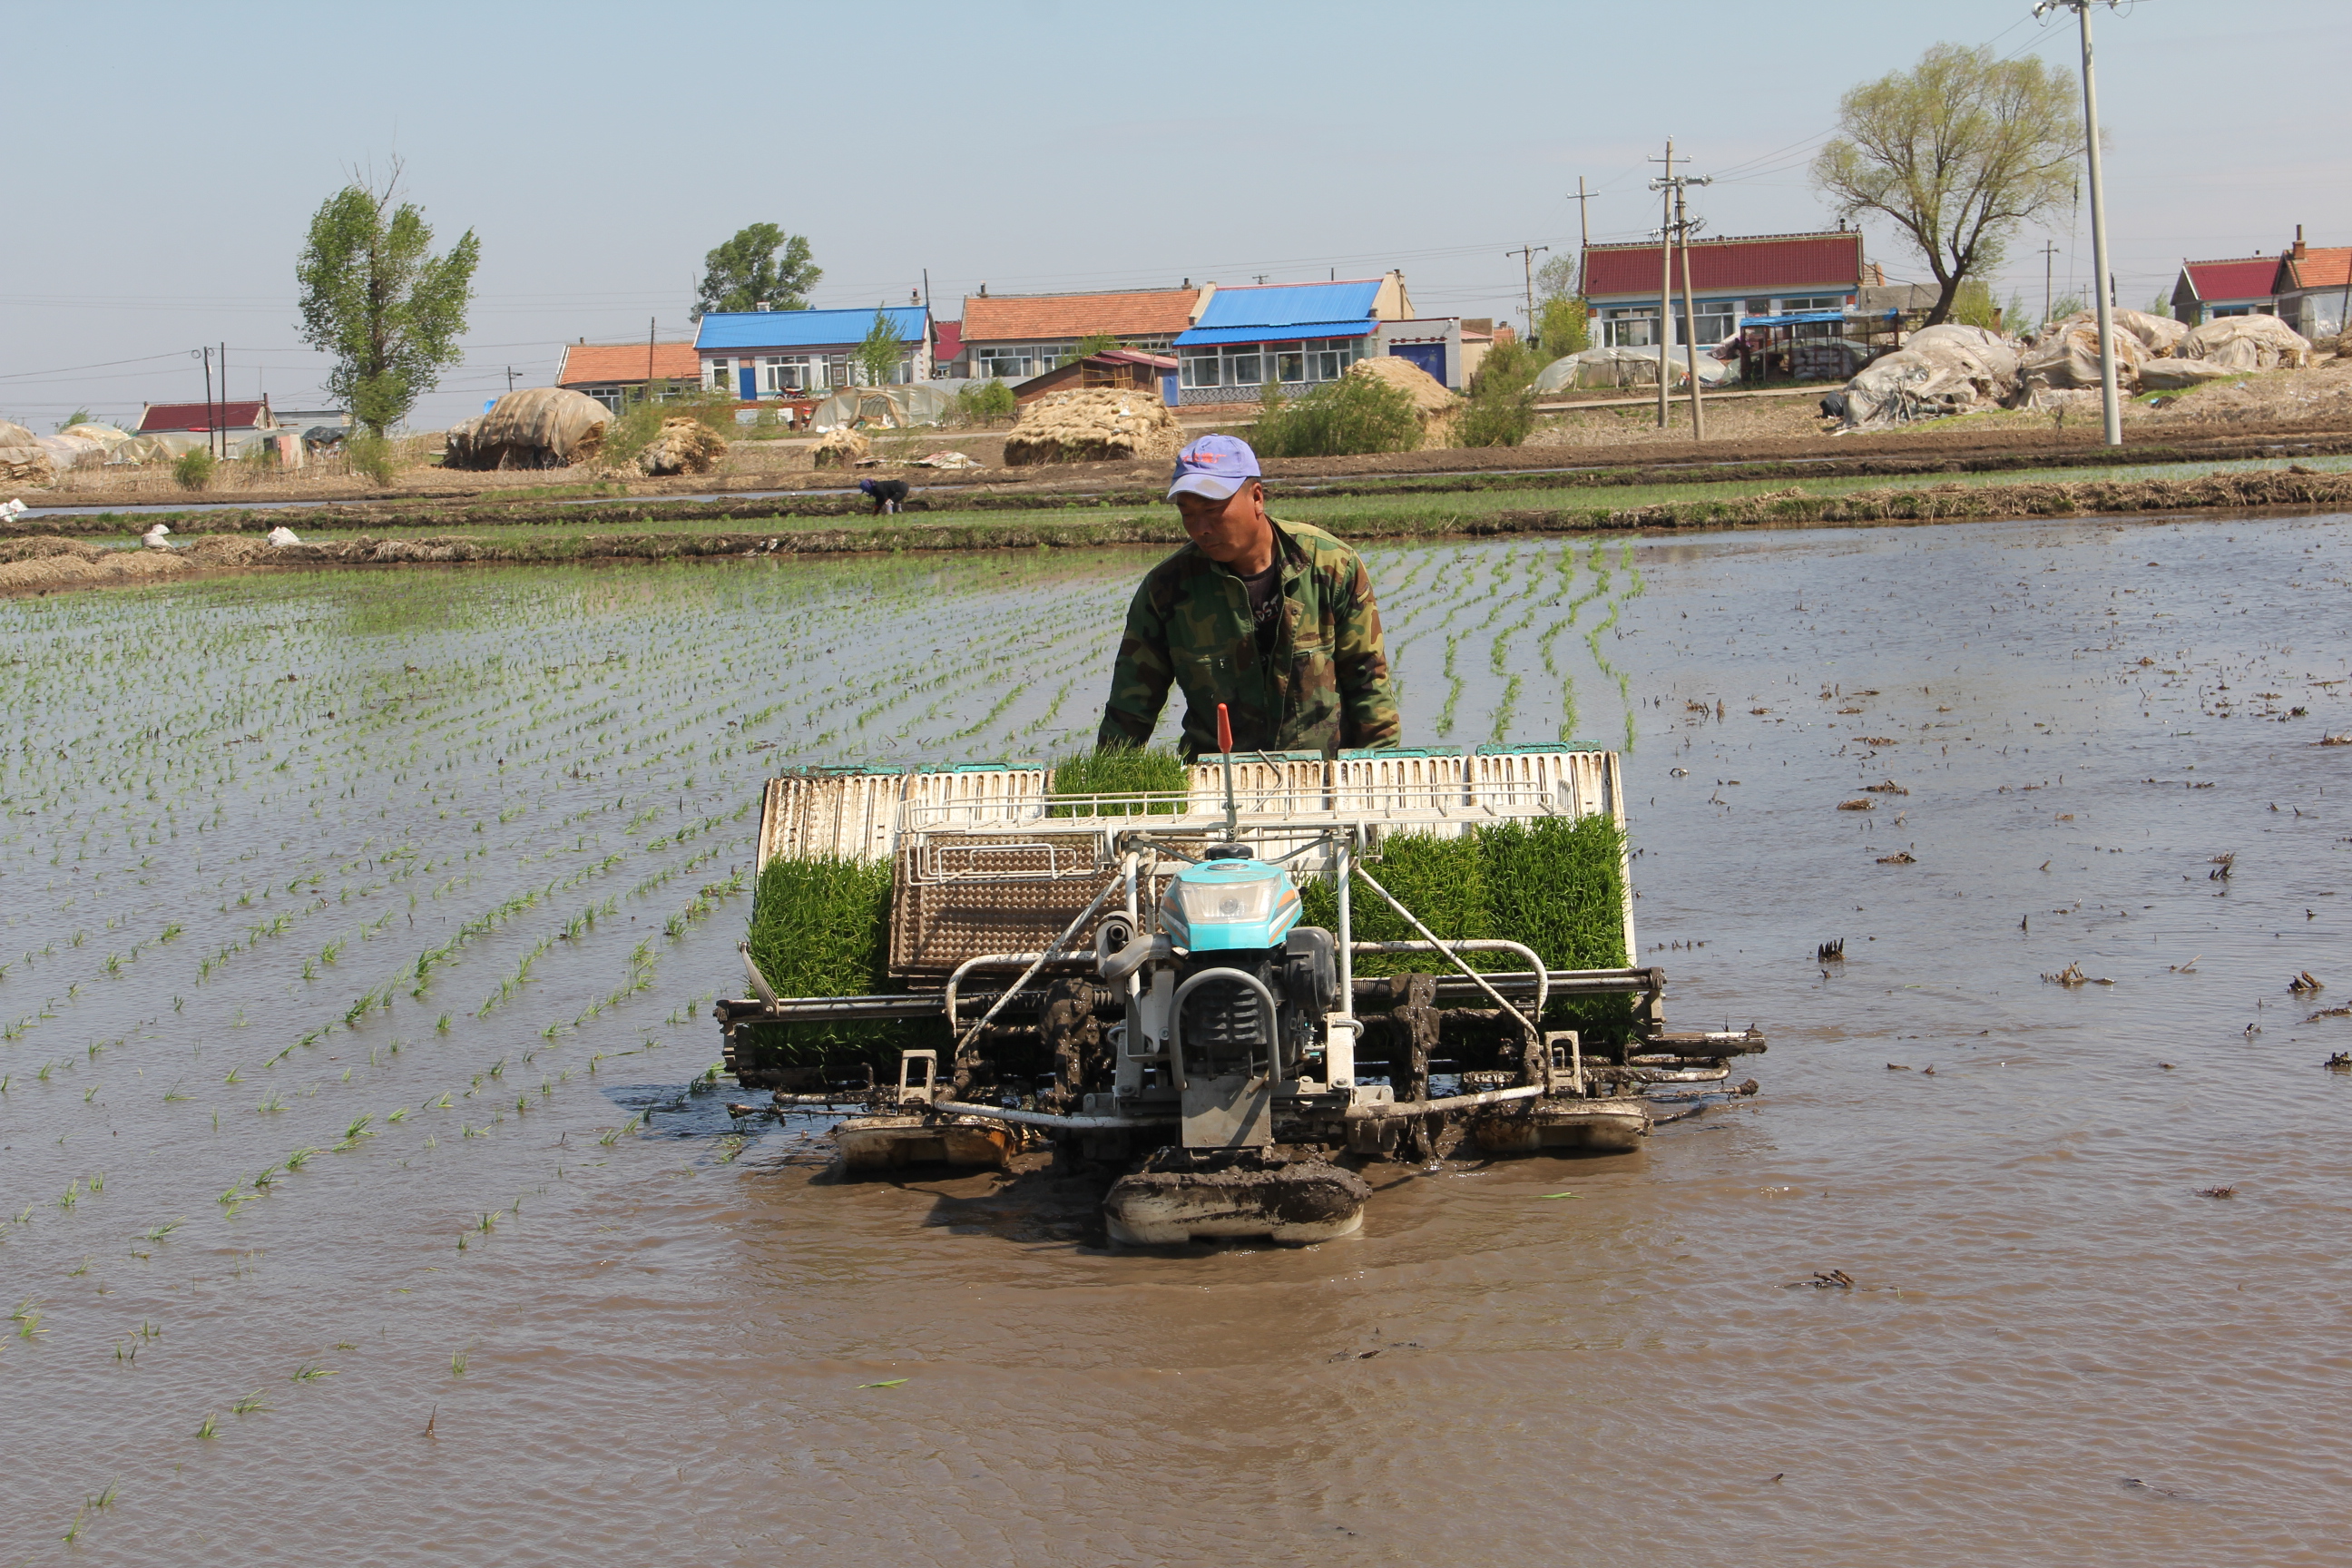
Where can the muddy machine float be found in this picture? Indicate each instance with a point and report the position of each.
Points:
(1132, 977)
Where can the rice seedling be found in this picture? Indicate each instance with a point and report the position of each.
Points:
(250, 1405)
(211, 1426)
(311, 1371)
(457, 1363)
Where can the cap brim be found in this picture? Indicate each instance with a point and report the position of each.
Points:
(1208, 485)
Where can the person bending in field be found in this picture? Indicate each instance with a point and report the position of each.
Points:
(888, 495)
(1276, 620)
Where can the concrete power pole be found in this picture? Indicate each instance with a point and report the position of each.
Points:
(1690, 314)
(2049, 264)
(1526, 255)
(1678, 225)
(2110, 403)
(1665, 276)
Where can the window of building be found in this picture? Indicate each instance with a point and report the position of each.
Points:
(719, 377)
(1242, 367)
(787, 373)
(1629, 326)
(1290, 365)
(1813, 302)
(1018, 361)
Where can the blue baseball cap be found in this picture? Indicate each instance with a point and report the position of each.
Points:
(1214, 467)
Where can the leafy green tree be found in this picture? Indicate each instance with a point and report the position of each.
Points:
(1957, 153)
(878, 353)
(1562, 323)
(1972, 305)
(1088, 346)
(746, 270)
(377, 298)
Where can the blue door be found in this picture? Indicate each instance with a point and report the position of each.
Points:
(1431, 357)
(749, 381)
(1168, 393)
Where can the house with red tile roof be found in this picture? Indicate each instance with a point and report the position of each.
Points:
(238, 418)
(2232, 286)
(609, 372)
(1017, 336)
(2312, 286)
(1754, 275)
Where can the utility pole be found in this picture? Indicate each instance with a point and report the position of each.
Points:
(511, 378)
(1583, 224)
(224, 400)
(1666, 279)
(650, 322)
(1526, 255)
(2110, 403)
(1682, 227)
(2049, 264)
(1673, 185)
(209, 421)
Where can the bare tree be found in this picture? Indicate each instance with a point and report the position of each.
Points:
(1957, 153)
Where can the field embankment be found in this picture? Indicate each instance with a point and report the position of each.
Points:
(52, 562)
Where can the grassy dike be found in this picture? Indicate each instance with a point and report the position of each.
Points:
(1385, 516)
(1399, 518)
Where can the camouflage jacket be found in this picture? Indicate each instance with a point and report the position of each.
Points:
(1325, 687)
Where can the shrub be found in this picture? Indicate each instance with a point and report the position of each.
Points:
(194, 469)
(369, 455)
(986, 402)
(1502, 407)
(1340, 419)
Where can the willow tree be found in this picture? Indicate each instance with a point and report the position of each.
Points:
(1957, 153)
(377, 298)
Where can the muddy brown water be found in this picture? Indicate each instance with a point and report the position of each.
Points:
(658, 1344)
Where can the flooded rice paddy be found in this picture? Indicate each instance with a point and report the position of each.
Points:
(364, 1198)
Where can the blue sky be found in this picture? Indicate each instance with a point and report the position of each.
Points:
(168, 158)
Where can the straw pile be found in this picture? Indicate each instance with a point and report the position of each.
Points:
(684, 446)
(23, 459)
(1432, 404)
(48, 561)
(543, 428)
(1091, 425)
(841, 447)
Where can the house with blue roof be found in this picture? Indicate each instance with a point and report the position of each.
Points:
(1300, 335)
(757, 354)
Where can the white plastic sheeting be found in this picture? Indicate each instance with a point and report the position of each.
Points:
(2239, 343)
(1943, 369)
(918, 402)
(1633, 367)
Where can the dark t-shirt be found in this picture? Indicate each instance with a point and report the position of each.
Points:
(1266, 603)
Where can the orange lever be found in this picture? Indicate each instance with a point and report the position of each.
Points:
(1225, 730)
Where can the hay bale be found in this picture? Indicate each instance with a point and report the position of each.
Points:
(684, 446)
(228, 549)
(841, 447)
(542, 427)
(1094, 425)
(1432, 404)
(23, 459)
